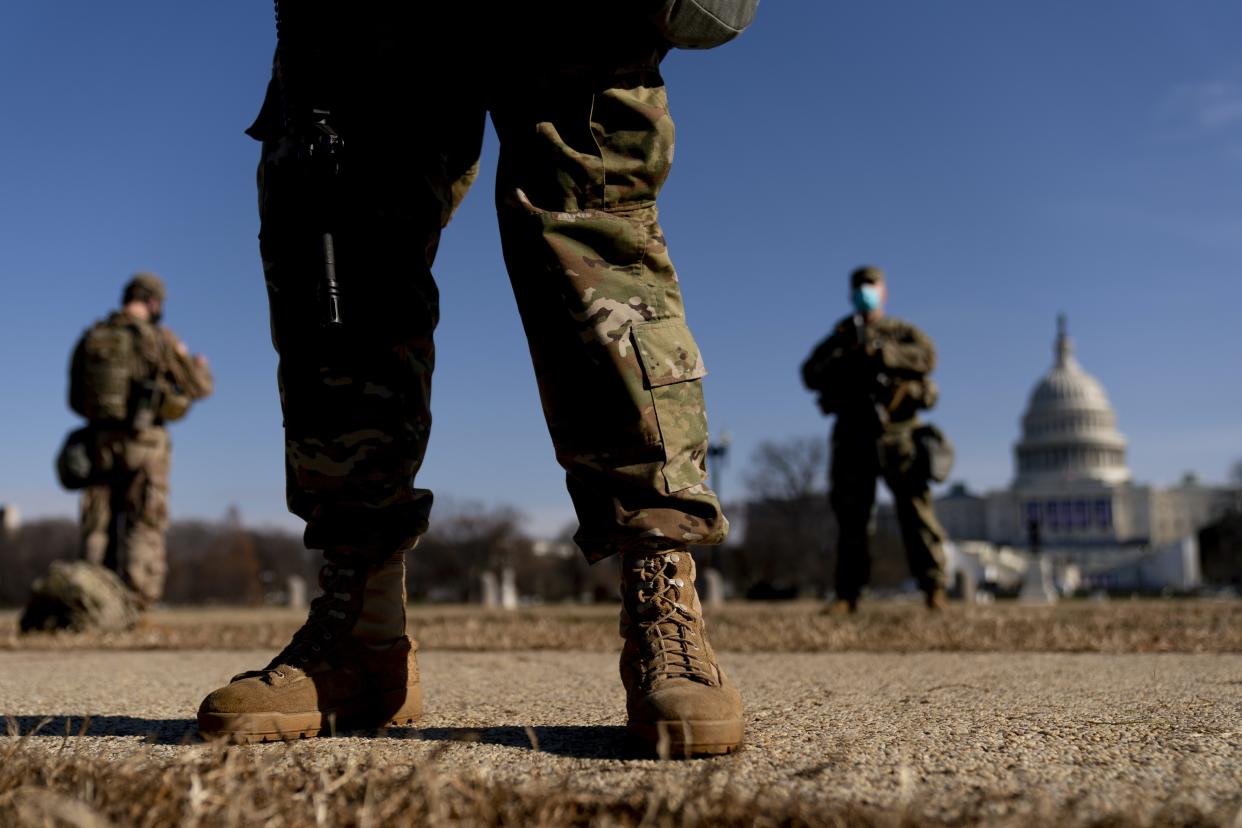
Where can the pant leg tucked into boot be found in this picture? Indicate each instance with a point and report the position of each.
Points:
(351, 665)
(678, 700)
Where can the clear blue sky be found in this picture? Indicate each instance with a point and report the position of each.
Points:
(1003, 161)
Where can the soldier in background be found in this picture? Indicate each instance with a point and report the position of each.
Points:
(371, 131)
(872, 374)
(129, 377)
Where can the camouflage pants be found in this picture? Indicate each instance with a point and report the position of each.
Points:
(858, 459)
(582, 159)
(123, 523)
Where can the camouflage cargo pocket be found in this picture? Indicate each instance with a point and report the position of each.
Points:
(672, 368)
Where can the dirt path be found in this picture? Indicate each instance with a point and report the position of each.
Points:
(940, 735)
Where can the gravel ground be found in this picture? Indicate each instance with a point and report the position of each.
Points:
(932, 735)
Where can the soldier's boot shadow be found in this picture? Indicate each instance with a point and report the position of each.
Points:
(60, 726)
(577, 741)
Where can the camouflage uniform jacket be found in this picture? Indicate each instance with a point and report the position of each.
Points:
(158, 355)
(877, 371)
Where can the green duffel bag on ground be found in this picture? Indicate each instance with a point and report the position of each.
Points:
(78, 596)
(702, 24)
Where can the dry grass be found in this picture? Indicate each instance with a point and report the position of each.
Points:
(1140, 626)
(229, 786)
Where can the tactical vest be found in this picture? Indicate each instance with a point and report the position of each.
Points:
(108, 367)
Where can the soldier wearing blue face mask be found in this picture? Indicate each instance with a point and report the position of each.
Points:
(871, 373)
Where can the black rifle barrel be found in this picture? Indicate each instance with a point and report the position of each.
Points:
(332, 291)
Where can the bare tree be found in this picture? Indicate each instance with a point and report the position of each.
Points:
(26, 553)
(792, 471)
(208, 562)
(787, 519)
(466, 539)
(1235, 473)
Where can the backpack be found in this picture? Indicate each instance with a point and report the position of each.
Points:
(102, 375)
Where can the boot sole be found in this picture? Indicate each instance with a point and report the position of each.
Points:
(247, 728)
(685, 739)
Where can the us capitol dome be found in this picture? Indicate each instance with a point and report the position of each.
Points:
(1069, 430)
(1071, 486)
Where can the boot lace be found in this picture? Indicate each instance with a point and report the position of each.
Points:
(326, 621)
(669, 638)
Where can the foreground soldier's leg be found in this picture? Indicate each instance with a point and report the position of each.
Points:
(356, 401)
(351, 665)
(619, 373)
(356, 411)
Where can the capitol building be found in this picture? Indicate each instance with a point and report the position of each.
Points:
(1072, 488)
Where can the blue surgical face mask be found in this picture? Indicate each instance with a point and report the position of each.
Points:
(866, 298)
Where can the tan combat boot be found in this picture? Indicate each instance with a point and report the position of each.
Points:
(678, 700)
(351, 665)
(842, 606)
(935, 599)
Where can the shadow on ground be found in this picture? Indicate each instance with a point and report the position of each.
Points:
(578, 741)
(59, 726)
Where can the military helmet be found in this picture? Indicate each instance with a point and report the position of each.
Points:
(142, 286)
(866, 275)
